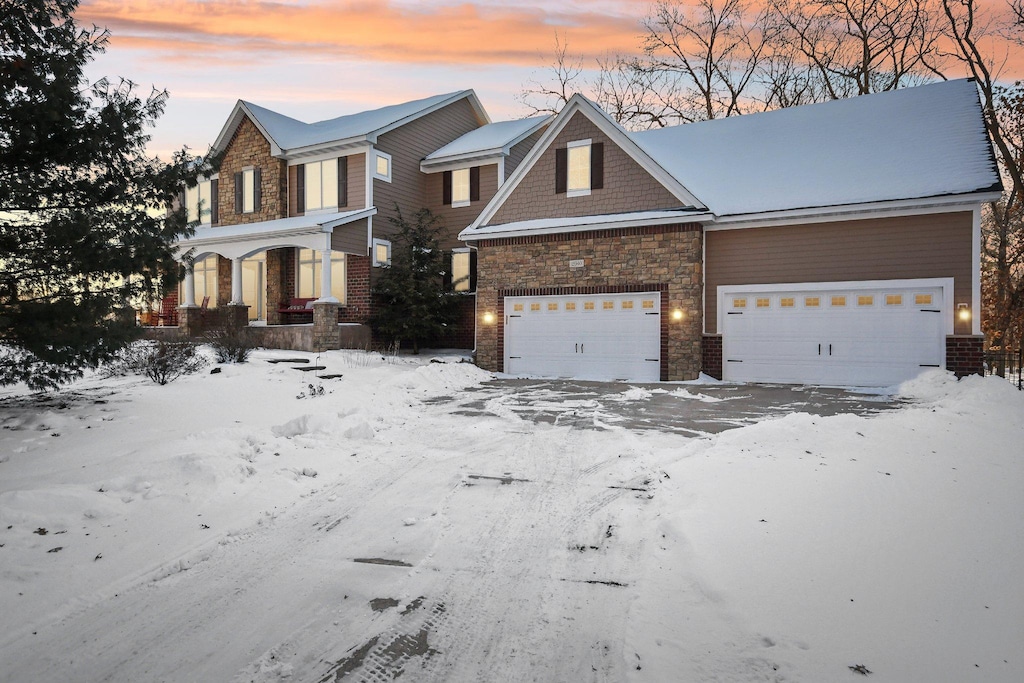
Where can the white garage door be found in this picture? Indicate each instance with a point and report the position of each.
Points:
(599, 337)
(849, 334)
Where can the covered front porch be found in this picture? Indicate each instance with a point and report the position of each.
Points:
(296, 283)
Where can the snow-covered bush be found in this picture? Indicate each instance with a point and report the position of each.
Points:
(231, 346)
(161, 361)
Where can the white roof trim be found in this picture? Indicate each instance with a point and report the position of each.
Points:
(830, 214)
(609, 127)
(485, 158)
(272, 230)
(552, 226)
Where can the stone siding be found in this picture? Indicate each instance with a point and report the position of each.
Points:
(248, 148)
(653, 258)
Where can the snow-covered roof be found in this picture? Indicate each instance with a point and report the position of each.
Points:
(287, 134)
(492, 139)
(927, 141)
(547, 226)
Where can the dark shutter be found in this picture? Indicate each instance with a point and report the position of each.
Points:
(446, 188)
(257, 194)
(342, 181)
(561, 170)
(596, 166)
(448, 276)
(472, 270)
(474, 184)
(214, 202)
(238, 193)
(300, 189)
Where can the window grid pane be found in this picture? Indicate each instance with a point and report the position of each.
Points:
(192, 203)
(460, 271)
(204, 201)
(248, 191)
(329, 178)
(460, 185)
(313, 198)
(579, 168)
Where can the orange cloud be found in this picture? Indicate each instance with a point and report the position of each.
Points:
(379, 31)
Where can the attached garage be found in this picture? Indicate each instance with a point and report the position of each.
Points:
(596, 337)
(875, 333)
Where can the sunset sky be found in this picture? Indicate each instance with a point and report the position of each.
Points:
(317, 59)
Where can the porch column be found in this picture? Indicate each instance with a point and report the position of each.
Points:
(190, 286)
(236, 281)
(325, 275)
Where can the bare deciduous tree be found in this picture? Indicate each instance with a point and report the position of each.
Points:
(549, 97)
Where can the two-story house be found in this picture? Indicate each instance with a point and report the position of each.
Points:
(295, 222)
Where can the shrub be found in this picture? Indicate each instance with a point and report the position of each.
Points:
(231, 346)
(161, 361)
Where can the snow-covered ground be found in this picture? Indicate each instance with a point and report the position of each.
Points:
(224, 528)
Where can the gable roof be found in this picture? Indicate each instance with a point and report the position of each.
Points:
(913, 143)
(600, 118)
(291, 137)
(491, 140)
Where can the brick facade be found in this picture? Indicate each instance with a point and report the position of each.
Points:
(357, 290)
(965, 355)
(653, 258)
(711, 355)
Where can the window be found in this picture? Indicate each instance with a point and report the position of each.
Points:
(460, 187)
(588, 305)
(570, 305)
(923, 299)
(763, 302)
(579, 168)
(247, 191)
(552, 306)
(310, 269)
(627, 305)
(321, 185)
(463, 270)
(865, 300)
(893, 299)
(205, 277)
(739, 303)
(381, 253)
(812, 301)
(201, 202)
(787, 302)
(838, 300)
(382, 166)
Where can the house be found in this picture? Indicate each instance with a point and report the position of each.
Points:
(835, 243)
(296, 223)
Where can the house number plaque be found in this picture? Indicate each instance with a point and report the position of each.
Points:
(576, 263)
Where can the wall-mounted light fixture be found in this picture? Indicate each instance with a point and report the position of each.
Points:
(488, 318)
(677, 314)
(963, 312)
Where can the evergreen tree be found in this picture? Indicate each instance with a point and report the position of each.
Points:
(412, 301)
(84, 231)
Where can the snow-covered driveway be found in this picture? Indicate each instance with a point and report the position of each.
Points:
(221, 528)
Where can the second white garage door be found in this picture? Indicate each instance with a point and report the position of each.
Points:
(842, 334)
(598, 337)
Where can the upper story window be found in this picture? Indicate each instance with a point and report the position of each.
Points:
(579, 168)
(382, 166)
(201, 202)
(247, 191)
(461, 187)
(321, 185)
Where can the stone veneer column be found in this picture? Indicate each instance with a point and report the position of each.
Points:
(326, 335)
(235, 316)
(190, 321)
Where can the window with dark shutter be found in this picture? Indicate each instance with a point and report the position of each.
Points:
(214, 201)
(257, 193)
(474, 184)
(300, 189)
(597, 165)
(561, 170)
(342, 181)
(446, 188)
